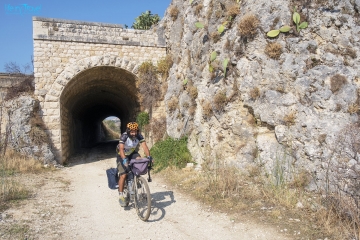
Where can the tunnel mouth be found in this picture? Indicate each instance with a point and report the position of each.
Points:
(90, 97)
(111, 126)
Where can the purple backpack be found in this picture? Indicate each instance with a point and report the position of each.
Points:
(139, 166)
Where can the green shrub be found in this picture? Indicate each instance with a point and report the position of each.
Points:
(145, 20)
(142, 119)
(164, 65)
(171, 152)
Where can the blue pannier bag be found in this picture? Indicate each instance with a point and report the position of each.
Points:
(113, 178)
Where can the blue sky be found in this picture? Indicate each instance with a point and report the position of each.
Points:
(16, 42)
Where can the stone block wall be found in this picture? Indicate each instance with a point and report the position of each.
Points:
(64, 48)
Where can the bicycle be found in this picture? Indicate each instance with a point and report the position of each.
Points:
(140, 187)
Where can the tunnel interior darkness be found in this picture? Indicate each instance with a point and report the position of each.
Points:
(90, 97)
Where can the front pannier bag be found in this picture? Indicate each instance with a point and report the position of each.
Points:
(139, 166)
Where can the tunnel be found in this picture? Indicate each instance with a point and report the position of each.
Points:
(90, 97)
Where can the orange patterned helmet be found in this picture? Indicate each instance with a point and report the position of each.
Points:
(132, 126)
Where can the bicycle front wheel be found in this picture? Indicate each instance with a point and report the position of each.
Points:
(142, 198)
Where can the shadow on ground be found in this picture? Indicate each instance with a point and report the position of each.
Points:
(102, 151)
(160, 201)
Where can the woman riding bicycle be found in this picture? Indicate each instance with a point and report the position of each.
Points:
(127, 149)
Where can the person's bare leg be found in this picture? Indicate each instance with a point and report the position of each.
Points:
(122, 182)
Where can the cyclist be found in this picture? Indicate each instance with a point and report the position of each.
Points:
(127, 149)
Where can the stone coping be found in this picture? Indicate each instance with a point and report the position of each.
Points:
(34, 18)
(130, 37)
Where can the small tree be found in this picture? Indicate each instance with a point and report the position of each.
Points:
(14, 67)
(149, 85)
(145, 21)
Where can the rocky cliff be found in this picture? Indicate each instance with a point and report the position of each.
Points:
(282, 101)
(22, 129)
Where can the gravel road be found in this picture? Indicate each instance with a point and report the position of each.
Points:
(96, 213)
(75, 202)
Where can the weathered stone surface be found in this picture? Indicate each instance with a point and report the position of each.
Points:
(17, 114)
(296, 104)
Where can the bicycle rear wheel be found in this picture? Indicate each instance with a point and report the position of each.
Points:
(142, 198)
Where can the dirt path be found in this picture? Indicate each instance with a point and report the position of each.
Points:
(83, 207)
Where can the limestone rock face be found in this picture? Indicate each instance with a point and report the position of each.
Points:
(25, 134)
(295, 104)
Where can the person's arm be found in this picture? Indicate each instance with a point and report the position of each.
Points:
(143, 144)
(145, 148)
(121, 151)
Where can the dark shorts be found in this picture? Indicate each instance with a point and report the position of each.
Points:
(120, 166)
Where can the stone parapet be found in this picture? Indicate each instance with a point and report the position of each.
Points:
(92, 32)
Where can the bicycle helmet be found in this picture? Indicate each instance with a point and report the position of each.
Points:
(132, 126)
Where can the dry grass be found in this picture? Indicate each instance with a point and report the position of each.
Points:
(11, 190)
(16, 231)
(186, 105)
(251, 195)
(215, 36)
(289, 119)
(149, 85)
(192, 110)
(338, 107)
(174, 12)
(219, 13)
(350, 52)
(15, 162)
(37, 132)
(11, 164)
(227, 45)
(322, 138)
(248, 25)
(158, 128)
(337, 82)
(198, 9)
(25, 86)
(300, 180)
(280, 88)
(312, 62)
(273, 50)
(232, 10)
(207, 109)
(235, 91)
(220, 101)
(353, 108)
(193, 92)
(164, 65)
(173, 104)
(254, 93)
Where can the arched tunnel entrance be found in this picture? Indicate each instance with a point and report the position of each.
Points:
(88, 98)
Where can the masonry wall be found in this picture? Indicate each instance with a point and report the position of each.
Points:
(52, 57)
(63, 49)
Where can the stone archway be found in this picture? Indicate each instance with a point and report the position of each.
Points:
(70, 58)
(83, 95)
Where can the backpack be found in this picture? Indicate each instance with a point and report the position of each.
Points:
(139, 166)
(113, 178)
